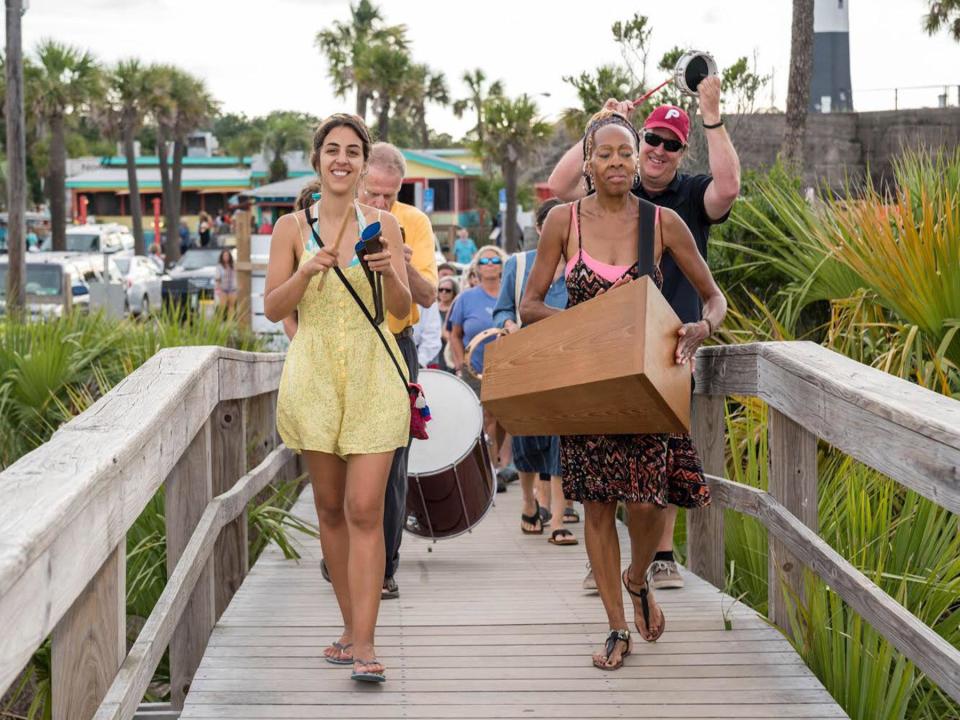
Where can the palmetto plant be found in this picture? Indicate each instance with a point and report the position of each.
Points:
(51, 371)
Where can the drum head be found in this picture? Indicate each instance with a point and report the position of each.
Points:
(456, 425)
(693, 68)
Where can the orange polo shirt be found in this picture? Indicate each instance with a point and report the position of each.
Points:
(418, 234)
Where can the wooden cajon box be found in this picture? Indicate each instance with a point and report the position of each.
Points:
(602, 367)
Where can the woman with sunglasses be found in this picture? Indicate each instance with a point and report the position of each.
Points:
(470, 316)
(447, 290)
(596, 238)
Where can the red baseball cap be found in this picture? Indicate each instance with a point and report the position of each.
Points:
(669, 117)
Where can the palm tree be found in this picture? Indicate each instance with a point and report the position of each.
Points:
(387, 70)
(424, 85)
(478, 96)
(798, 87)
(121, 115)
(67, 79)
(346, 45)
(180, 104)
(943, 13)
(285, 132)
(512, 129)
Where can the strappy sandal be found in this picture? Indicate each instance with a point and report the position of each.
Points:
(562, 536)
(534, 520)
(370, 677)
(341, 649)
(570, 515)
(644, 607)
(613, 638)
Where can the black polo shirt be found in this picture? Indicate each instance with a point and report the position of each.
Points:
(684, 195)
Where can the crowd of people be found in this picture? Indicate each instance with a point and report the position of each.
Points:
(342, 406)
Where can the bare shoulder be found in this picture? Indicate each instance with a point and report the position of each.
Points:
(286, 229)
(558, 217)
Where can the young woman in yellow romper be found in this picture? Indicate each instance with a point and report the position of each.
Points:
(341, 402)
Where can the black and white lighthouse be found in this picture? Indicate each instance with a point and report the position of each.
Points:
(830, 80)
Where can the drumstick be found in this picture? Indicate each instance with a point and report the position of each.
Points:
(642, 98)
(336, 244)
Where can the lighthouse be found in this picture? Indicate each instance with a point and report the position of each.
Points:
(830, 80)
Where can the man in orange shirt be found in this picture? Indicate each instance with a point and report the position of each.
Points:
(385, 172)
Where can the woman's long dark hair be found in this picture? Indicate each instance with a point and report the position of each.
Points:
(229, 259)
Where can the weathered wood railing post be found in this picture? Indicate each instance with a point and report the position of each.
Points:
(261, 424)
(188, 489)
(792, 478)
(242, 230)
(705, 543)
(229, 462)
(89, 642)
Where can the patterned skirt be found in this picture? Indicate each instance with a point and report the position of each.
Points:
(660, 469)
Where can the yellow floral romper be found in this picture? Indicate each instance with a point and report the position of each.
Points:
(339, 391)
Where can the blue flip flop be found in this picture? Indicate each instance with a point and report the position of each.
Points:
(341, 648)
(370, 677)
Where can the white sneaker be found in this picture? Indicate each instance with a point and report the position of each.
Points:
(665, 575)
(589, 582)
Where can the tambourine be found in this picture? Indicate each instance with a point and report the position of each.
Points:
(691, 69)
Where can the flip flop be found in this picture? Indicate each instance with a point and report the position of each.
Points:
(534, 520)
(562, 536)
(341, 649)
(613, 638)
(370, 677)
(570, 515)
(644, 607)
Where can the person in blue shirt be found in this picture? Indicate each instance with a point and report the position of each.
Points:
(464, 248)
(536, 456)
(472, 314)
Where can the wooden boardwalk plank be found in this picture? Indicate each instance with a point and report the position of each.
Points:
(492, 625)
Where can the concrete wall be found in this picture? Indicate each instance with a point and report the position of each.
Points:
(842, 146)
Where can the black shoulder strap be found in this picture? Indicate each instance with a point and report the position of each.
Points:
(373, 323)
(316, 235)
(648, 217)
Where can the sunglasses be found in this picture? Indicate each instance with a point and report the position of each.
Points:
(490, 261)
(445, 290)
(654, 140)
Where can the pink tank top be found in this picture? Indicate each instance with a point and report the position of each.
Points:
(610, 273)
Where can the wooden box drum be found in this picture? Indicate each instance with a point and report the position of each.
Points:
(603, 367)
(451, 481)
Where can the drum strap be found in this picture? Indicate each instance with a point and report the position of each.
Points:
(646, 240)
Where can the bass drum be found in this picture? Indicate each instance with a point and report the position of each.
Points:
(451, 482)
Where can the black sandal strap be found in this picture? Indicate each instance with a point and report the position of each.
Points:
(613, 638)
(534, 519)
(561, 532)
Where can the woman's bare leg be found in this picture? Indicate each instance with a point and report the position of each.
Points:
(603, 549)
(366, 488)
(645, 522)
(328, 476)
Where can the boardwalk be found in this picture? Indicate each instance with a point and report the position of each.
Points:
(491, 625)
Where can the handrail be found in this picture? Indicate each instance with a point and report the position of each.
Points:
(134, 676)
(896, 427)
(68, 504)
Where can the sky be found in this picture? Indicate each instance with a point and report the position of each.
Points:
(260, 56)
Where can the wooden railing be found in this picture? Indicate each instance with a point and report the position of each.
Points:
(910, 434)
(186, 419)
(185, 422)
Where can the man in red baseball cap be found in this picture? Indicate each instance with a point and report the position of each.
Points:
(701, 200)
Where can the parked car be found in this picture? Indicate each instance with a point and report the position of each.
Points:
(143, 279)
(192, 278)
(101, 238)
(49, 274)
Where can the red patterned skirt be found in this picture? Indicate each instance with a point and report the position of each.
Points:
(660, 469)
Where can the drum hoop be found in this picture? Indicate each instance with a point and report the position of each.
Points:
(474, 344)
(679, 71)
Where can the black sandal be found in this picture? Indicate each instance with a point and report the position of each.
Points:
(534, 520)
(613, 638)
(562, 536)
(644, 607)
